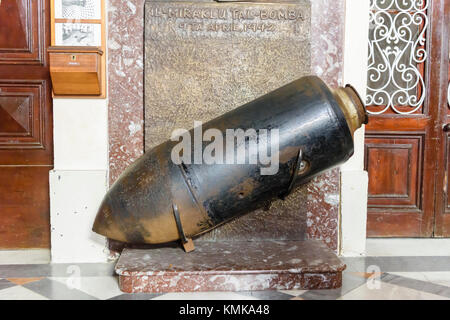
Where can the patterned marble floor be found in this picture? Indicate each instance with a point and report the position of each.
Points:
(365, 278)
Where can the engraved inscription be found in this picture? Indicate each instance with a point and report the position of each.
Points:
(224, 14)
(216, 20)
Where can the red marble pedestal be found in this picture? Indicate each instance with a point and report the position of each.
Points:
(231, 266)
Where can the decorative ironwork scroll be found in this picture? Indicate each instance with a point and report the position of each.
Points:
(397, 56)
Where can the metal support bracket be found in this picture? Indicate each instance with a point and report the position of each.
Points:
(297, 169)
(187, 243)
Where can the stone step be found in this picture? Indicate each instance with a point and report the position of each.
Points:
(231, 266)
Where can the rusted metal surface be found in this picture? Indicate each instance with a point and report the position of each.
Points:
(315, 127)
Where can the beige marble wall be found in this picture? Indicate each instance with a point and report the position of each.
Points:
(328, 21)
(125, 83)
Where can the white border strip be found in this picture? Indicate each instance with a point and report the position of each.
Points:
(26, 256)
(354, 181)
(409, 247)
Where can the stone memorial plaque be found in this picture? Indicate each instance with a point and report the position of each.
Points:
(203, 59)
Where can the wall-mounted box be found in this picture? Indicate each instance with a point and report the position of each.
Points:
(76, 70)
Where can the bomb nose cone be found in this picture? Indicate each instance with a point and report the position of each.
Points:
(128, 212)
(138, 208)
(105, 225)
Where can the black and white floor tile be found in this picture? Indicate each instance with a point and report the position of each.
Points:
(365, 278)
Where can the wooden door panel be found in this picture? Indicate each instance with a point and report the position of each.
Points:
(22, 122)
(23, 43)
(24, 212)
(442, 228)
(395, 224)
(443, 216)
(402, 140)
(394, 163)
(446, 209)
(26, 134)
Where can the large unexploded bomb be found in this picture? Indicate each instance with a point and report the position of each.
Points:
(157, 200)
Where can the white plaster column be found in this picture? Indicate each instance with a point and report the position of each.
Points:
(79, 179)
(354, 180)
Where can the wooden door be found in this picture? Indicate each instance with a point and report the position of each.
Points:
(26, 153)
(404, 133)
(442, 228)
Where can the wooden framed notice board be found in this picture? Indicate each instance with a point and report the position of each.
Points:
(78, 37)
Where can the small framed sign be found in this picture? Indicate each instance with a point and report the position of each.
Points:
(78, 9)
(78, 34)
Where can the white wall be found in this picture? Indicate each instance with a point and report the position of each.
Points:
(80, 140)
(79, 179)
(354, 180)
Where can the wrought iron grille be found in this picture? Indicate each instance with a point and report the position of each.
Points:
(397, 56)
